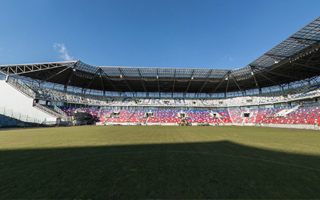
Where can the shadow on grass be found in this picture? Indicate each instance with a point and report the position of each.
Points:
(191, 170)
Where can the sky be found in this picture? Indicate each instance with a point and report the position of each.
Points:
(222, 34)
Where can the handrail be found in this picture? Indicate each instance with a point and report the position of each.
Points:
(21, 87)
(62, 113)
(53, 112)
(47, 110)
(58, 110)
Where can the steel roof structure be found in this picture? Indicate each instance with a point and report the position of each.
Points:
(296, 58)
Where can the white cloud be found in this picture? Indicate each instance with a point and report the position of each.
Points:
(228, 58)
(63, 52)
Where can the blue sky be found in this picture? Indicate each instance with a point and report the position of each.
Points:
(165, 33)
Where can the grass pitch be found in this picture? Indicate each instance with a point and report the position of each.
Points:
(159, 162)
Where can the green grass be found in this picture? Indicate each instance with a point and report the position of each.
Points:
(159, 162)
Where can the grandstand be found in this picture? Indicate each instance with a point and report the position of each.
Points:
(280, 88)
(161, 132)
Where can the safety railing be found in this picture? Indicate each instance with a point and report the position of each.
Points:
(22, 87)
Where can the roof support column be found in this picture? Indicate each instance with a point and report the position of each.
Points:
(254, 77)
(228, 77)
(7, 77)
(65, 88)
(174, 81)
(69, 80)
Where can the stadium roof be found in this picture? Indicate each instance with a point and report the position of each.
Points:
(296, 58)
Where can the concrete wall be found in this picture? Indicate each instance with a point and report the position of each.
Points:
(17, 102)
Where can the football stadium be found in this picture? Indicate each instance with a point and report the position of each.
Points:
(74, 130)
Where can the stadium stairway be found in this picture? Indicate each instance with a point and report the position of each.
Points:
(51, 110)
(285, 112)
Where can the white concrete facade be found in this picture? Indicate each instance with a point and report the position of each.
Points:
(17, 102)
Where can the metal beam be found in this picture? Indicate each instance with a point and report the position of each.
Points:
(102, 81)
(174, 81)
(274, 73)
(305, 39)
(68, 80)
(206, 82)
(307, 66)
(92, 80)
(55, 74)
(275, 55)
(235, 81)
(24, 69)
(254, 77)
(124, 79)
(221, 81)
(142, 81)
(105, 75)
(311, 57)
(264, 76)
(228, 78)
(158, 81)
(191, 78)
